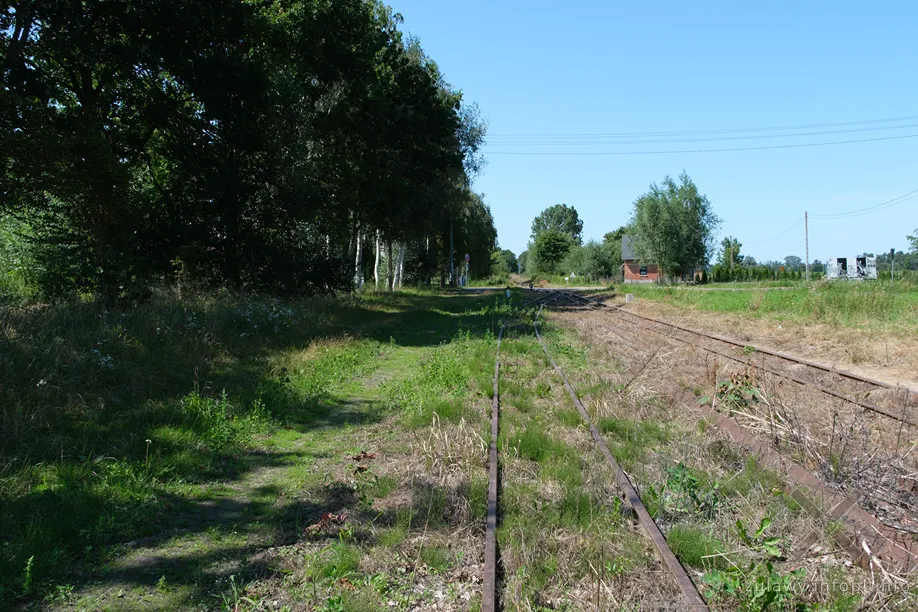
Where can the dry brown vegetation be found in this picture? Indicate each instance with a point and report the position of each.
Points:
(645, 371)
(887, 355)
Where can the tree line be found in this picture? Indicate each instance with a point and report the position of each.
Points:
(556, 247)
(284, 146)
(672, 225)
(732, 265)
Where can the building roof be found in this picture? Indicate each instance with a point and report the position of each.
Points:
(627, 250)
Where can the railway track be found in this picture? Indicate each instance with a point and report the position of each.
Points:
(489, 582)
(692, 600)
(867, 538)
(854, 385)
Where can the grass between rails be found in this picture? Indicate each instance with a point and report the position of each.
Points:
(562, 532)
(176, 428)
(874, 305)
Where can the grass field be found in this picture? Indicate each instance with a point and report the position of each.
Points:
(225, 453)
(867, 304)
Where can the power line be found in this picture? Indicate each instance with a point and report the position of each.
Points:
(870, 209)
(585, 143)
(724, 150)
(775, 237)
(720, 131)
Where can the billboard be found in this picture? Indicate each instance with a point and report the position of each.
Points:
(851, 268)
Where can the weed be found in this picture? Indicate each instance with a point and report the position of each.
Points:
(631, 440)
(535, 444)
(685, 493)
(569, 417)
(757, 541)
(755, 588)
(523, 404)
(336, 561)
(738, 392)
(752, 477)
(233, 598)
(27, 576)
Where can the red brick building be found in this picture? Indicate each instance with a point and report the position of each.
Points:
(634, 271)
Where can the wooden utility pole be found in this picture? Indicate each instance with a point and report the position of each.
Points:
(731, 255)
(892, 264)
(806, 231)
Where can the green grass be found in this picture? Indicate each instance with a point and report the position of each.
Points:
(569, 417)
(694, 546)
(535, 444)
(115, 426)
(874, 304)
(629, 440)
(437, 558)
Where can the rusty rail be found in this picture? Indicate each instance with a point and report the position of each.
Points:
(900, 416)
(843, 373)
(685, 584)
(489, 582)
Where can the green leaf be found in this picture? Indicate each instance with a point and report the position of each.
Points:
(741, 530)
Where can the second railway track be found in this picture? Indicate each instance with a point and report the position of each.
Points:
(840, 384)
(869, 536)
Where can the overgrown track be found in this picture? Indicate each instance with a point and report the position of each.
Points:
(852, 384)
(489, 583)
(866, 538)
(692, 598)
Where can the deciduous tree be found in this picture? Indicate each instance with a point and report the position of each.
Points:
(561, 218)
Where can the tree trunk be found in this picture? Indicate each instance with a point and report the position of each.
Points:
(401, 264)
(452, 269)
(389, 262)
(376, 265)
(358, 262)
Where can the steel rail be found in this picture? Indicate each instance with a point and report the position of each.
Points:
(865, 537)
(550, 296)
(489, 582)
(685, 584)
(767, 351)
(901, 416)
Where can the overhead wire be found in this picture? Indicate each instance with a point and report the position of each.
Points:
(775, 237)
(587, 143)
(870, 209)
(718, 131)
(845, 215)
(720, 150)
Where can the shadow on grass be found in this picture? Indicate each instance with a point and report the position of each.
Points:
(84, 389)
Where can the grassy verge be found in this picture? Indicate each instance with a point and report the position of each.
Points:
(151, 453)
(870, 304)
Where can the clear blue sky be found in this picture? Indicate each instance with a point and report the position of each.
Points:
(599, 67)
